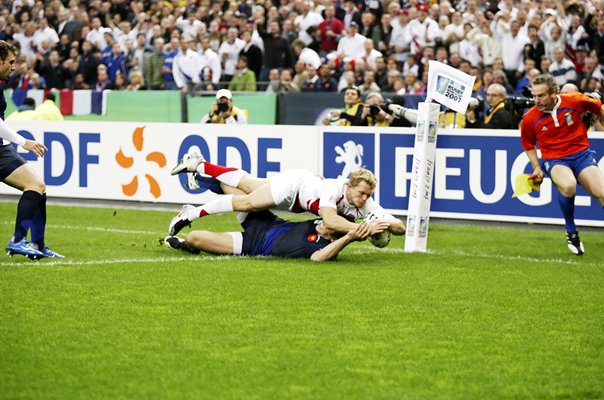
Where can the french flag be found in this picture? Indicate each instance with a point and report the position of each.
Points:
(71, 102)
(83, 102)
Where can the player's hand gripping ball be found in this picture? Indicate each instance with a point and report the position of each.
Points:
(379, 239)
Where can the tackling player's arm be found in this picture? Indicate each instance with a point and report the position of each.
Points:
(360, 232)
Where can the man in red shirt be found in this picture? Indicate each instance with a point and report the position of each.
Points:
(554, 123)
(331, 30)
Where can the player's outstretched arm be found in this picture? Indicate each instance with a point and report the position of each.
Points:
(9, 134)
(361, 232)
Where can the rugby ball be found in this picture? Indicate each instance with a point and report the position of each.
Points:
(379, 239)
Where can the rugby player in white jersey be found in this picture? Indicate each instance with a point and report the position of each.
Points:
(338, 201)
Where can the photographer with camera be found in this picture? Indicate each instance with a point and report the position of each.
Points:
(374, 111)
(498, 116)
(223, 111)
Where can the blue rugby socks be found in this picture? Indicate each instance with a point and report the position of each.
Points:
(26, 209)
(567, 204)
(38, 226)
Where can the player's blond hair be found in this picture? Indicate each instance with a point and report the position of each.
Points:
(552, 86)
(362, 175)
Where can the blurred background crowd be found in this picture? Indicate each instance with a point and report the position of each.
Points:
(300, 45)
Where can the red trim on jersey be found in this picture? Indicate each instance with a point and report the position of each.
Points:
(569, 137)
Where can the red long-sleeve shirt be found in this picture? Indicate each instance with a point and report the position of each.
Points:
(561, 132)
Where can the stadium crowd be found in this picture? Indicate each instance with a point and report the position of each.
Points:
(300, 45)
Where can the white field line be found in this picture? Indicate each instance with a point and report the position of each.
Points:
(66, 262)
(461, 253)
(94, 228)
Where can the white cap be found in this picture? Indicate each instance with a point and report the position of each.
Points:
(224, 93)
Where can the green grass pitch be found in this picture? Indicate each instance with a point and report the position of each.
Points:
(488, 313)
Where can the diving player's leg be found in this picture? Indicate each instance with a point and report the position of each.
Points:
(215, 242)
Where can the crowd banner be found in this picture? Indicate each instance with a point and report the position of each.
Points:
(474, 169)
(420, 193)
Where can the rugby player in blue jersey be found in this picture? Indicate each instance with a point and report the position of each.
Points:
(15, 172)
(265, 234)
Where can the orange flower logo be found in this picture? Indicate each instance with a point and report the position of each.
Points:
(129, 189)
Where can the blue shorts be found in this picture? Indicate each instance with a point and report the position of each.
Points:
(576, 162)
(10, 160)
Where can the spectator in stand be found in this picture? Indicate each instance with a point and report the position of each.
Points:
(535, 48)
(120, 82)
(289, 31)
(469, 50)
(307, 18)
(274, 81)
(489, 46)
(25, 38)
(300, 74)
(347, 81)
(190, 26)
(303, 53)
(168, 56)
(352, 44)
(277, 53)
(331, 30)
(252, 53)
(371, 54)
(244, 79)
(523, 84)
(553, 33)
(102, 82)
(508, 32)
(211, 62)
(312, 82)
(326, 82)
(96, 36)
(186, 66)
(454, 32)
(400, 39)
(368, 26)
(423, 30)
(67, 26)
(229, 53)
(383, 33)
(381, 73)
(349, 13)
(116, 62)
(45, 33)
(48, 110)
(136, 81)
(369, 85)
(51, 69)
(153, 66)
(562, 69)
(287, 83)
(89, 62)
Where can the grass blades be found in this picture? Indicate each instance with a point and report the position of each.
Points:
(489, 312)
